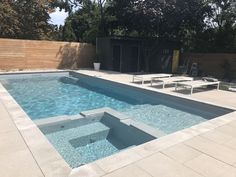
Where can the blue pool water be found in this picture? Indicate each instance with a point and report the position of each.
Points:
(71, 143)
(43, 97)
(86, 139)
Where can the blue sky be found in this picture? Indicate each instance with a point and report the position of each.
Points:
(58, 17)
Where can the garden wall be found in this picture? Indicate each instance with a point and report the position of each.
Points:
(32, 54)
(211, 63)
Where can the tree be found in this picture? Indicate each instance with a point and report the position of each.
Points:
(159, 18)
(25, 19)
(85, 22)
(9, 22)
(219, 35)
(34, 19)
(198, 24)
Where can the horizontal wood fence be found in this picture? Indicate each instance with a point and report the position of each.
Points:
(212, 63)
(32, 54)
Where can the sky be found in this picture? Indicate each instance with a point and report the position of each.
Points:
(58, 17)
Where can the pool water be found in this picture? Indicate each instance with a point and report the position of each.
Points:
(43, 97)
(86, 139)
(73, 146)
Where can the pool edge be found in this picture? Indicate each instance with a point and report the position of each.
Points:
(123, 158)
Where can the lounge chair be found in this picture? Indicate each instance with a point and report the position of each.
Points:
(171, 80)
(232, 88)
(149, 77)
(197, 84)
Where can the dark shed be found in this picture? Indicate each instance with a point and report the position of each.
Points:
(135, 54)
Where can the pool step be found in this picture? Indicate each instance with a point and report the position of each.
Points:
(69, 80)
(90, 133)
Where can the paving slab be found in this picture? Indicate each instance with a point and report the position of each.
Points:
(6, 125)
(227, 129)
(11, 142)
(231, 143)
(19, 164)
(210, 167)
(3, 113)
(159, 165)
(181, 153)
(118, 160)
(89, 170)
(213, 149)
(217, 136)
(233, 123)
(129, 171)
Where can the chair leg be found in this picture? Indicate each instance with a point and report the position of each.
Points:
(218, 86)
(191, 92)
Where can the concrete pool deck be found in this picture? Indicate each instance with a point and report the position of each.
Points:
(204, 150)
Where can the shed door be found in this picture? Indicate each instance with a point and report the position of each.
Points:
(116, 57)
(134, 59)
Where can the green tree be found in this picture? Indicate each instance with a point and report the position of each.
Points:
(9, 22)
(25, 19)
(68, 32)
(199, 25)
(85, 22)
(34, 17)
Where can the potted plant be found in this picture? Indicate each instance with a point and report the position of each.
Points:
(97, 63)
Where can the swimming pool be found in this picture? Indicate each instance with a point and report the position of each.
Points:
(48, 95)
(144, 114)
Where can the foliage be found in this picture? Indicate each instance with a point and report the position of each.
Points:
(9, 23)
(84, 23)
(200, 25)
(24, 19)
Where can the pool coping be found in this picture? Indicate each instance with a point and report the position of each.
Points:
(50, 159)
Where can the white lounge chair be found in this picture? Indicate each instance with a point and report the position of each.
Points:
(197, 84)
(149, 77)
(232, 88)
(171, 80)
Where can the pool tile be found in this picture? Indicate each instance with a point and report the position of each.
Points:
(129, 171)
(210, 167)
(159, 165)
(181, 153)
(213, 149)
